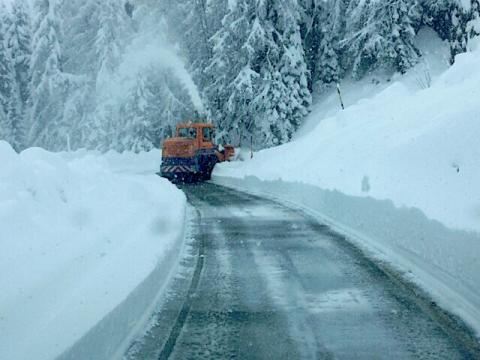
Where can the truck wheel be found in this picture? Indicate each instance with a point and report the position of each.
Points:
(196, 177)
(207, 175)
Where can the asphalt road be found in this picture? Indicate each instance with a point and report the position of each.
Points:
(263, 281)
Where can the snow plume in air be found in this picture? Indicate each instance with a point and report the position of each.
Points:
(149, 51)
(165, 54)
(149, 91)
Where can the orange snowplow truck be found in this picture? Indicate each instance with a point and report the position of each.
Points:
(192, 153)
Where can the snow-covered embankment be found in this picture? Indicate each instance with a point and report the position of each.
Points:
(400, 173)
(80, 234)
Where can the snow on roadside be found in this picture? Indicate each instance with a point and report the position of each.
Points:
(418, 148)
(79, 232)
(403, 153)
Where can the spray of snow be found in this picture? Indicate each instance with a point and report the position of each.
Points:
(150, 49)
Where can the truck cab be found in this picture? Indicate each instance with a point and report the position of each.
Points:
(192, 153)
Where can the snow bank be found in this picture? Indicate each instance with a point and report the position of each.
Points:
(79, 232)
(415, 150)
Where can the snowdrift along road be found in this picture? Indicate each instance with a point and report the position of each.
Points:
(79, 232)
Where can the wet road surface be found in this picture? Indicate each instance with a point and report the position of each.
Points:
(263, 281)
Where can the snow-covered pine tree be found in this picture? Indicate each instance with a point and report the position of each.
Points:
(11, 119)
(463, 26)
(455, 21)
(46, 73)
(473, 21)
(80, 24)
(261, 86)
(284, 96)
(18, 42)
(405, 19)
(293, 69)
(80, 56)
(134, 131)
(15, 121)
(437, 14)
(239, 122)
(89, 44)
(19, 36)
(233, 82)
(5, 78)
(272, 124)
(5, 62)
(312, 12)
(327, 31)
(114, 32)
(380, 34)
(52, 87)
(150, 113)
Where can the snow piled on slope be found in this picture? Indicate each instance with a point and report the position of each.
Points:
(435, 61)
(79, 232)
(416, 149)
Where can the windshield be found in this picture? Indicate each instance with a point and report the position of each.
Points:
(208, 134)
(190, 133)
(239, 179)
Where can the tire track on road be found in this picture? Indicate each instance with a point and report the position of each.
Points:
(187, 305)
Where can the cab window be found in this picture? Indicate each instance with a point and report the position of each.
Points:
(187, 133)
(207, 134)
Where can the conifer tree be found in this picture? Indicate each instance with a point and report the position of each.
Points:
(114, 31)
(11, 120)
(19, 36)
(18, 42)
(262, 87)
(5, 62)
(454, 21)
(294, 72)
(52, 88)
(5, 87)
(154, 105)
(328, 31)
(136, 125)
(381, 35)
(232, 89)
(284, 95)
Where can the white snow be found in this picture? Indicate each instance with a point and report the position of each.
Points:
(150, 49)
(404, 150)
(79, 232)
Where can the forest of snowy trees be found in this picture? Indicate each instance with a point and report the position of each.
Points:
(69, 73)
